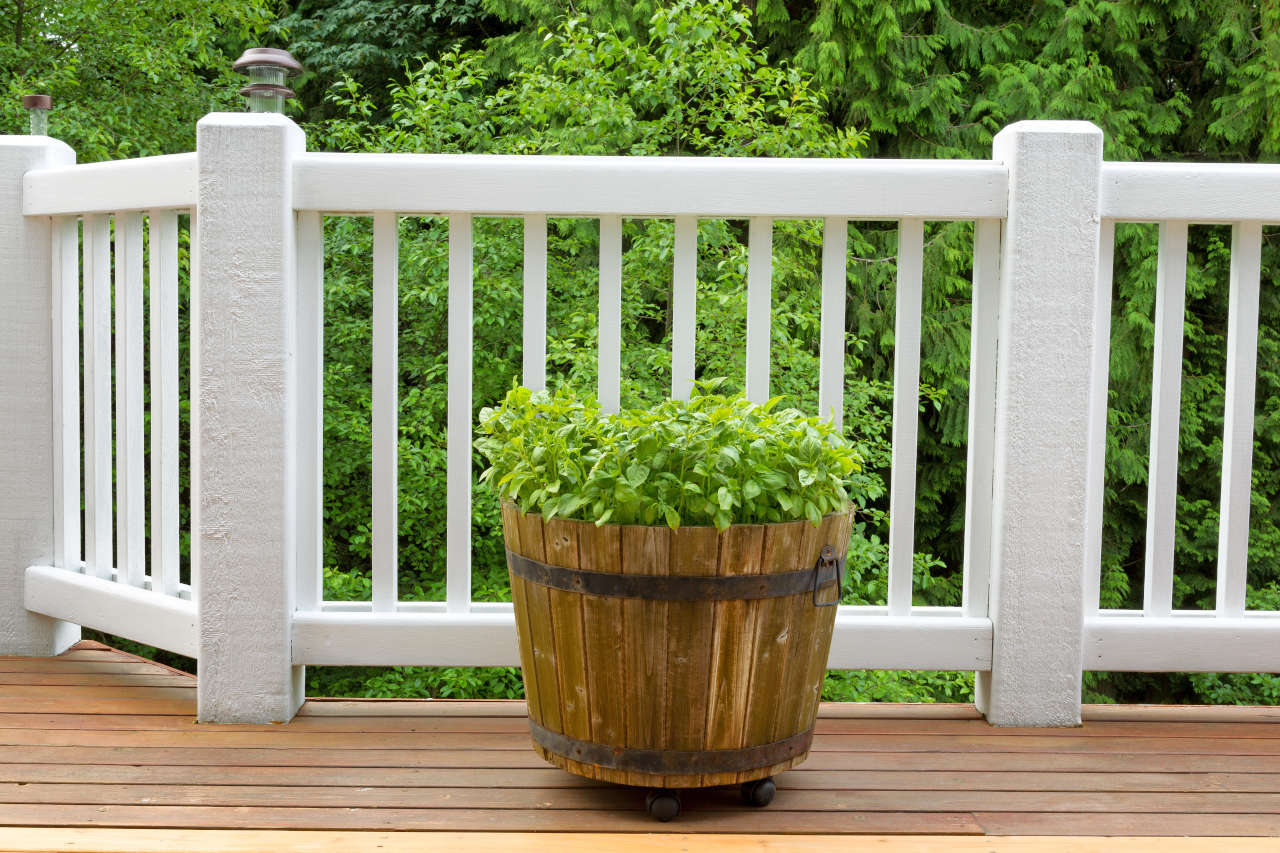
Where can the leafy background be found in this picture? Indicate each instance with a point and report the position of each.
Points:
(1169, 80)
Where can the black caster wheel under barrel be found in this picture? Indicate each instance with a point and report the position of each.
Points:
(759, 793)
(663, 804)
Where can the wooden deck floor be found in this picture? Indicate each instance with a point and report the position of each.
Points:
(97, 738)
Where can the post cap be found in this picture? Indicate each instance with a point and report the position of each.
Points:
(37, 102)
(269, 57)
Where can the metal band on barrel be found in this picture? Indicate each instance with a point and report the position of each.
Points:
(672, 761)
(676, 587)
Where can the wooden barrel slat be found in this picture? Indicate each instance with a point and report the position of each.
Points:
(511, 524)
(600, 550)
(538, 604)
(805, 621)
(839, 531)
(674, 675)
(645, 551)
(689, 624)
(560, 542)
(781, 549)
(732, 646)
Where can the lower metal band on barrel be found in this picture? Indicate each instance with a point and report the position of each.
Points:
(672, 761)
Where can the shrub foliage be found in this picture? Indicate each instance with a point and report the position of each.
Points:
(711, 459)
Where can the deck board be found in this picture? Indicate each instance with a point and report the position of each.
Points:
(97, 738)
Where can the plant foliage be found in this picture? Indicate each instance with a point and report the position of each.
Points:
(711, 459)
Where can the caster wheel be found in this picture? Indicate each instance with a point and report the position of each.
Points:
(663, 805)
(758, 793)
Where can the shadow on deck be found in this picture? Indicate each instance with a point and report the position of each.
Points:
(98, 738)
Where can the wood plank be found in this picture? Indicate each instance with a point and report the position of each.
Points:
(996, 780)
(405, 777)
(329, 707)
(800, 779)
(537, 606)
(600, 550)
(81, 752)
(914, 710)
(100, 840)
(772, 625)
(694, 552)
(645, 551)
(353, 725)
(97, 679)
(515, 758)
(94, 654)
(123, 667)
(274, 757)
(814, 644)
(517, 820)
(524, 640)
(20, 704)
(560, 541)
(336, 797)
(1183, 713)
(731, 664)
(91, 693)
(618, 799)
(1122, 728)
(484, 721)
(1006, 823)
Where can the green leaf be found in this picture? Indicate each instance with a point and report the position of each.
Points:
(637, 474)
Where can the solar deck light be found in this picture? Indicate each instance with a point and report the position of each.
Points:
(267, 67)
(38, 106)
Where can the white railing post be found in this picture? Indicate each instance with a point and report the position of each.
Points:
(27, 399)
(244, 428)
(1045, 380)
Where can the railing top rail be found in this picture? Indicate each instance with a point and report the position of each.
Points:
(142, 183)
(1195, 192)
(649, 186)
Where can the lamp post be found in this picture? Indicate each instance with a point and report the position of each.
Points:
(38, 106)
(268, 68)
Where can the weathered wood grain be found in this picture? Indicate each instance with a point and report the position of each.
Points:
(694, 553)
(560, 541)
(600, 550)
(732, 645)
(541, 632)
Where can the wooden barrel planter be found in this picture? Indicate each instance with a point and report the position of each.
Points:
(674, 658)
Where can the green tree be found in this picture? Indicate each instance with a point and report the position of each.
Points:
(374, 41)
(127, 79)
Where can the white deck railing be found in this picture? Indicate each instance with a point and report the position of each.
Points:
(1044, 211)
